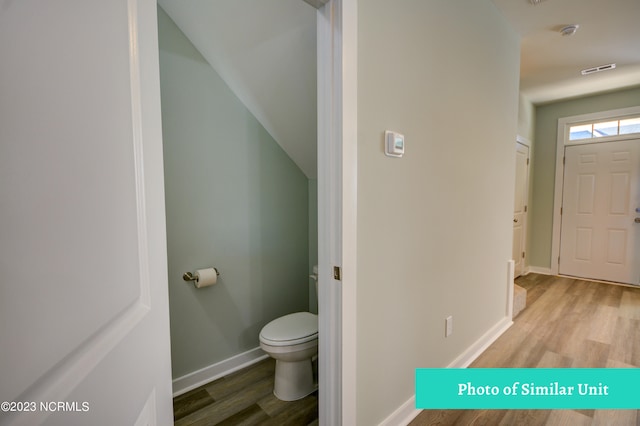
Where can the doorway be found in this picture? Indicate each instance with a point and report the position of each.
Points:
(520, 207)
(329, 218)
(597, 197)
(600, 238)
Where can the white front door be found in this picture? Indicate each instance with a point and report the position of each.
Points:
(520, 207)
(83, 283)
(601, 195)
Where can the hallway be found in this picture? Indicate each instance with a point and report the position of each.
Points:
(568, 323)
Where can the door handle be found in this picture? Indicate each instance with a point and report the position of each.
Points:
(516, 220)
(637, 220)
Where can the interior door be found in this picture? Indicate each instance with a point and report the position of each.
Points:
(601, 196)
(83, 285)
(520, 207)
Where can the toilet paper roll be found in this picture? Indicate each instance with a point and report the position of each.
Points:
(206, 277)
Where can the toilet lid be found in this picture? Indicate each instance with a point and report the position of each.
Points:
(290, 329)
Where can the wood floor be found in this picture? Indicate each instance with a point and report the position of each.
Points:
(567, 323)
(244, 398)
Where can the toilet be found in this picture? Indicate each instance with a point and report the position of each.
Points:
(292, 340)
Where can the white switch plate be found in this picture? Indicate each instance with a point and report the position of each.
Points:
(448, 326)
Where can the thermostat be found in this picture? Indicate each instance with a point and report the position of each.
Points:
(394, 144)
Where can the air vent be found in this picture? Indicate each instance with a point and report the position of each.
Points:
(569, 30)
(535, 2)
(598, 69)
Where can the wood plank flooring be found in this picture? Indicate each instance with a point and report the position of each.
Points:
(567, 323)
(243, 398)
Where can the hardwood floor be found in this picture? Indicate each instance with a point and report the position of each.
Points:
(567, 323)
(244, 398)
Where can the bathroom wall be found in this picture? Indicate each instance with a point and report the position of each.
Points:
(544, 162)
(434, 227)
(234, 200)
(313, 242)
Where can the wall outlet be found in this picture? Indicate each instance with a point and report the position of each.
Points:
(448, 326)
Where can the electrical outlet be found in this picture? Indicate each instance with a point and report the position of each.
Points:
(448, 326)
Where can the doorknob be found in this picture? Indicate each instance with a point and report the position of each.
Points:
(637, 220)
(516, 220)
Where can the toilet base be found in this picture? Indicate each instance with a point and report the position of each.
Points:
(294, 380)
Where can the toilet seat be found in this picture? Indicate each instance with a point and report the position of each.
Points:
(292, 329)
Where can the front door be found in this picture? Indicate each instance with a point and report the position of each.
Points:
(84, 325)
(600, 238)
(520, 207)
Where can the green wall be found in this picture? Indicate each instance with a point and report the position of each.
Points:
(313, 241)
(544, 162)
(234, 200)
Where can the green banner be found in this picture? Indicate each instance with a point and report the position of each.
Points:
(528, 388)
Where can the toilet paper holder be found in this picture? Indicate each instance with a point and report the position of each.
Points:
(189, 276)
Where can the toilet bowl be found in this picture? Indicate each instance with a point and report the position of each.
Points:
(292, 340)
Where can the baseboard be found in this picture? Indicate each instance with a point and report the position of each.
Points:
(215, 371)
(403, 415)
(407, 411)
(474, 351)
(538, 270)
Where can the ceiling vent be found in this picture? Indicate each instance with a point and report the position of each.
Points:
(598, 69)
(535, 2)
(569, 30)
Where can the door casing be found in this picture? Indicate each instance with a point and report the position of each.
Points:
(561, 140)
(520, 211)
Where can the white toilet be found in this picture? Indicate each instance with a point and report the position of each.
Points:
(292, 340)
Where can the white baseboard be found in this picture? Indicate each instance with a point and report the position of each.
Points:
(215, 371)
(403, 415)
(474, 351)
(407, 411)
(538, 270)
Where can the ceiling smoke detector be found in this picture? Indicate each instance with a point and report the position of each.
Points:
(569, 30)
(598, 69)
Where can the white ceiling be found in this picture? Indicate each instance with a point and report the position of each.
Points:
(266, 52)
(550, 63)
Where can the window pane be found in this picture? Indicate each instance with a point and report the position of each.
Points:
(580, 132)
(609, 128)
(631, 125)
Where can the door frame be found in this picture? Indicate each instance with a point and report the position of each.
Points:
(525, 142)
(337, 210)
(562, 140)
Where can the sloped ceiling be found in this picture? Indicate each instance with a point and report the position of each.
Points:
(266, 52)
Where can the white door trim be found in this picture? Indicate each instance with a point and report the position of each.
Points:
(561, 141)
(337, 180)
(349, 206)
(525, 227)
